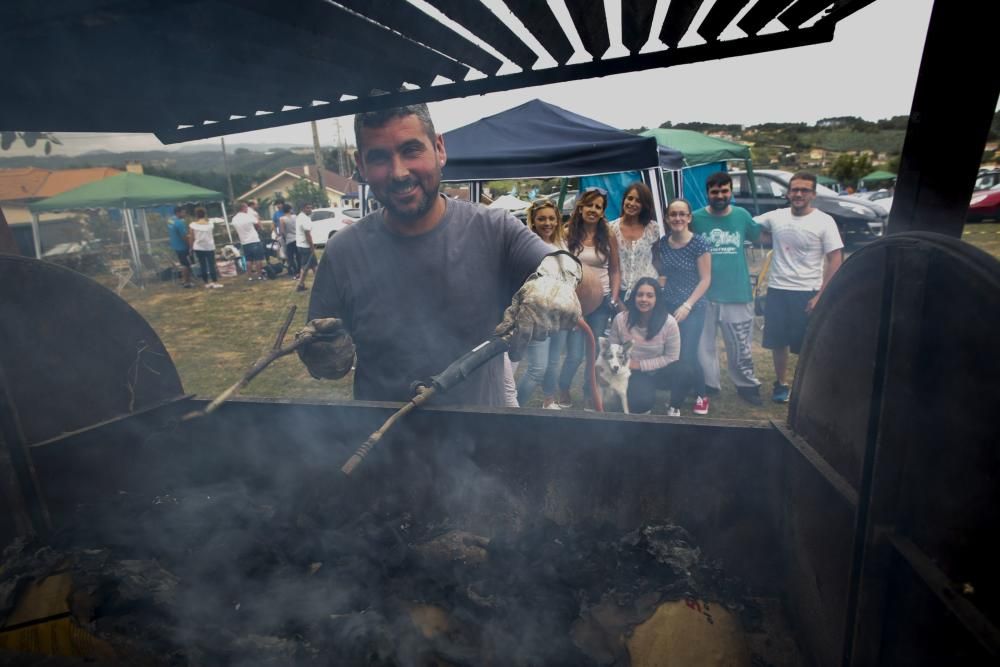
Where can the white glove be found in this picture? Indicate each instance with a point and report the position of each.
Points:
(546, 303)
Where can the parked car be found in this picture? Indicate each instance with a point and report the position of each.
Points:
(858, 220)
(987, 178)
(985, 205)
(326, 222)
(353, 213)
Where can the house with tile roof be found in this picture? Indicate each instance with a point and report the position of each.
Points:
(22, 186)
(340, 190)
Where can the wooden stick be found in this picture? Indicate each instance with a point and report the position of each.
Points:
(273, 355)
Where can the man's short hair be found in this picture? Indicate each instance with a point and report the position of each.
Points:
(803, 176)
(178, 210)
(717, 180)
(380, 117)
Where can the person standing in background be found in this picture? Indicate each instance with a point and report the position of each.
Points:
(807, 253)
(178, 233)
(286, 233)
(729, 302)
(201, 237)
(248, 230)
(683, 258)
(304, 243)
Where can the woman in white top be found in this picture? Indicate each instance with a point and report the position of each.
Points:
(201, 238)
(589, 238)
(636, 233)
(542, 356)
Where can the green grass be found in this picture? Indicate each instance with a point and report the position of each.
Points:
(985, 236)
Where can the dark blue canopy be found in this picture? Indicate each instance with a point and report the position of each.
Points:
(540, 140)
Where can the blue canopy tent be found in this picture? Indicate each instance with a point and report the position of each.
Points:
(541, 140)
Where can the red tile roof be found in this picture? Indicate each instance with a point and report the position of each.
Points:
(35, 183)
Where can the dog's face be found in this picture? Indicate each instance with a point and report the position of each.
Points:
(615, 357)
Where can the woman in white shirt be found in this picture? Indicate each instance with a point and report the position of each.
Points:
(201, 238)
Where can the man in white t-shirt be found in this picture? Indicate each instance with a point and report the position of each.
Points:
(803, 240)
(249, 232)
(304, 243)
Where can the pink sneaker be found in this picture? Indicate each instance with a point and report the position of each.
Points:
(701, 405)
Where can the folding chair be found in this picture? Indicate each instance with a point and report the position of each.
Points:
(122, 270)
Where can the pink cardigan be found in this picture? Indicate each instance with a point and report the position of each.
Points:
(658, 352)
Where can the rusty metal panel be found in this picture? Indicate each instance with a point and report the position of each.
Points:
(491, 469)
(74, 353)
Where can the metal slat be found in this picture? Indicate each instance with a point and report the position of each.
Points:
(816, 34)
(719, 16)
(483, 23)
(538, 18)
(591, 24)
(680, 14)
(801, 11)
(414, 24)
(761, 14)
(326, 30)
(637, 23)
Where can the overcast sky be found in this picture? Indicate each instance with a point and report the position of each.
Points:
(869, 70)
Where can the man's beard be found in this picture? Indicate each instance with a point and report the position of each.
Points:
(718, 204)
(426, 202)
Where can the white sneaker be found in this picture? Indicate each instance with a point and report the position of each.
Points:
(218, 285)
(208, 285)
(673, 412)
(551, 406)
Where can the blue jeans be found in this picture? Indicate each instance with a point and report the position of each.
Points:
(691, 329)
(542, 359)
(576, 346)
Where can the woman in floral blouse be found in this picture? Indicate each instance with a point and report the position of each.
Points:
(636, 233)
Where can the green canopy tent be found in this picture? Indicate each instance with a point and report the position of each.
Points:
(700, 149)
(878, 176)
(130, 193)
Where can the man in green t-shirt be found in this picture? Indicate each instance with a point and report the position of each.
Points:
(729, 297)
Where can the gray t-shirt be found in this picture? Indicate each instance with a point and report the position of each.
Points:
(414, 304)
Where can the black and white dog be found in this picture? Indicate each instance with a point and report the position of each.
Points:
(612, 371)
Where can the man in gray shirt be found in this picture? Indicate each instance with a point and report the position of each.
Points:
(425, 279)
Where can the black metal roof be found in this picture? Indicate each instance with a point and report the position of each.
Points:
(191, 69)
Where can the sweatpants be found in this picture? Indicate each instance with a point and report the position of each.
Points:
(736, 322)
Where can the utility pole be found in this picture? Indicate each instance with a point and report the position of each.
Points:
(342, 153)
(225, 165)
(318, 154)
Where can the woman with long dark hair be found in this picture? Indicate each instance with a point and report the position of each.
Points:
(656, 347)
(589, 238)
(636, 233)
(684, 259)
(542, 356)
